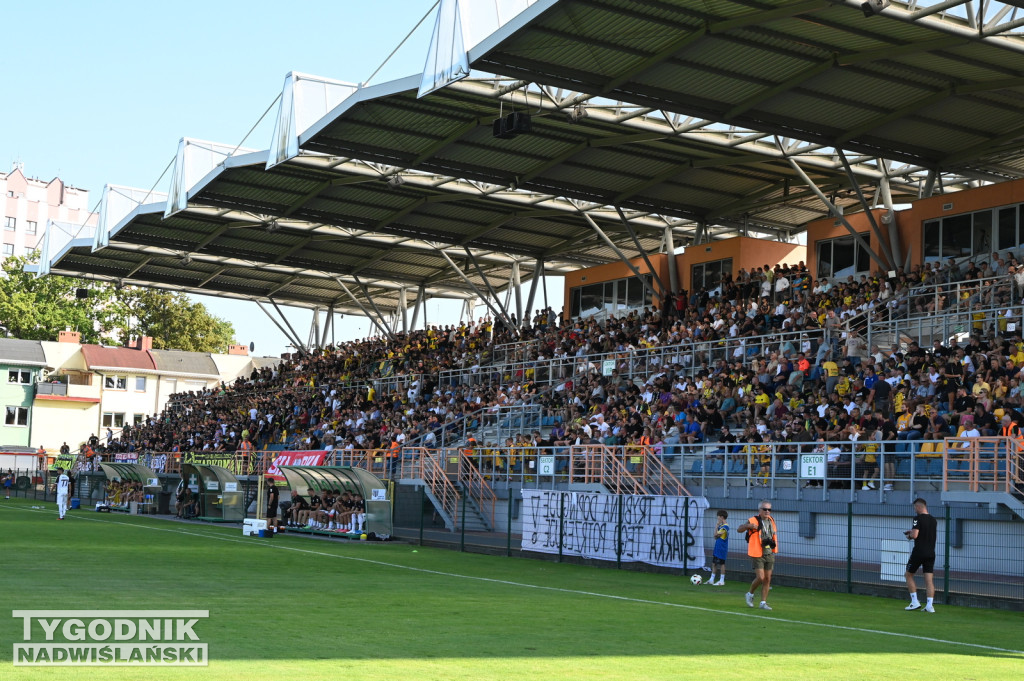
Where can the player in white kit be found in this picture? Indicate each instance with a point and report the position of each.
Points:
(63, 489)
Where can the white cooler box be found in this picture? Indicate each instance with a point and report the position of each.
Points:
(251, 527)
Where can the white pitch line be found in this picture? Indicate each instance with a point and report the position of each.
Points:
(541, 587)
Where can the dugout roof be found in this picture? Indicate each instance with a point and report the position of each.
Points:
(913, 83)
(132, 472)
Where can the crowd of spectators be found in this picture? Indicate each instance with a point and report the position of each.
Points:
(770, 355)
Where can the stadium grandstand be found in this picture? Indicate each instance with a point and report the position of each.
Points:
(791, 233)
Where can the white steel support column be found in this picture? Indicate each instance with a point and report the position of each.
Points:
(538, 273)
(403, 304)
(366, 292)
(421, 301)
(670, 250)
(293, 339)
(517, 282)
(499, 311)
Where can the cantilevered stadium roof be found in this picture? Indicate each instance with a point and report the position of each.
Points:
(913, 83)
(644, 126)
(607, 153)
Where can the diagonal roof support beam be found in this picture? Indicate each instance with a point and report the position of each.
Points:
(213, 275)
(287, 323)
(369, 299)
(373, 320)
(867, 208)
(487, 282)
(294, 340)
(641, 250)
(622, 256)
(487, 302)
(836, 212)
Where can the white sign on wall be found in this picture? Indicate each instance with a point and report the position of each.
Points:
(546, 465)
(812, 466)
(658, 530)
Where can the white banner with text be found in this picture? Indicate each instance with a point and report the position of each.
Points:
(658, 530)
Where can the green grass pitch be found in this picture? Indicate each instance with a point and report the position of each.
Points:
(300, 608)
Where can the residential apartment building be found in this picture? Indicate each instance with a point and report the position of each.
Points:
(27, 205)
(21, 361)
(65, 391)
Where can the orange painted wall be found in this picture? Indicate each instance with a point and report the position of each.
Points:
(746, 253)
(910, 222)
(826, 228)
(613, 271)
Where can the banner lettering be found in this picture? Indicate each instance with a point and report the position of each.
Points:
(658, 530)
(304, 458)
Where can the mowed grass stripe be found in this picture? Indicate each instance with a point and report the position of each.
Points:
(384, 612)
(305, 550)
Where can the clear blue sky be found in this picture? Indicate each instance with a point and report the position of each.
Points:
(101, 93)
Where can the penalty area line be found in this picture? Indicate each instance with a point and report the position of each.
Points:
(541, 587)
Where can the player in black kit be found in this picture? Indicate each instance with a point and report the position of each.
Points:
(923, 533)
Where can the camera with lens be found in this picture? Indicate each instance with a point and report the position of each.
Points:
(768, 544)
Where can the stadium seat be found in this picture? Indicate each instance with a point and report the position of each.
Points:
(716, 467)
(903, 466)
(958, 468)
(697, 467)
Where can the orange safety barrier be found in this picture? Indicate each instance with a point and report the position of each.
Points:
(985, 464)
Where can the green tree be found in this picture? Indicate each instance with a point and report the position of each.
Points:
(38, 308)
(172, 320)
(34, 308)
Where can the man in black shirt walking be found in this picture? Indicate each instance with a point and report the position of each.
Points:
(922, 556)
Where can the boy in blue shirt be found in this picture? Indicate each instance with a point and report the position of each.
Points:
(721, 551)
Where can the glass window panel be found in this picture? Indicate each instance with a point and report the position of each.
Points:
(635, 297)
(824, 259)
(932, 241)
(609, 297)
(1008, 228)
(956, 236)
(591, 301)
(844, 262)
(982, 238)
(12, 413)
(140, 383)
(574, 309)
(864, 262)
(697, 277)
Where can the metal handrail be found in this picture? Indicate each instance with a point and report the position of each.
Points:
(433, 475)
(992, 463)
(477, 488)
(658, 476)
